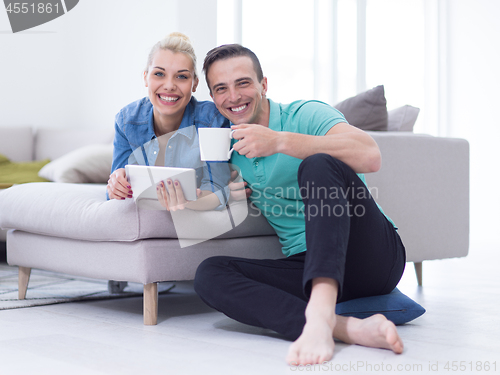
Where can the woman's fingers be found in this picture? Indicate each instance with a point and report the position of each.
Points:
(238, 188)
(178, 199)
(162, 195)
(117, 190)
(121, 179)
(118, 186)
(172, 198)
(174, 195)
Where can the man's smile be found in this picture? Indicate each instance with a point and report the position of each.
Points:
(238, 109)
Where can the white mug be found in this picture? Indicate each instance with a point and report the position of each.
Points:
(215, 144)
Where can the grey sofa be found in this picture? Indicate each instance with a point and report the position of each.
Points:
(71, 228)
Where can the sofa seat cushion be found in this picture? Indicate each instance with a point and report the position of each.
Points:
(81, 211)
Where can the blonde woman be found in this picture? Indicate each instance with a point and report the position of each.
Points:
(161, 129)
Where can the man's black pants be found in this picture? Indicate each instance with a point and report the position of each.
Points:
(347, 237)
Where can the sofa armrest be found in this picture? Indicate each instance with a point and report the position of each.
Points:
(423, 186)
(81, 212)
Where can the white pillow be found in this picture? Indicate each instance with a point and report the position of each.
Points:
(403, 118)
(89, 164)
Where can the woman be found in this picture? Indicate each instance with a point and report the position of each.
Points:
(161, 129)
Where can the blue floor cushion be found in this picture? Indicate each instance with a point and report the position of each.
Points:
(395, 306)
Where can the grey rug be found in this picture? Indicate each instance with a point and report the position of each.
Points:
(47, 288)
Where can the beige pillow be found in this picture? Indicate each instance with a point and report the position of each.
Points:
(403, 118)
(89, 164)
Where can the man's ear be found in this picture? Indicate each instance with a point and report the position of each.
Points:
(145, 80)
(264, 86)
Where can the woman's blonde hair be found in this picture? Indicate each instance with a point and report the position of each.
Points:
(175, 42)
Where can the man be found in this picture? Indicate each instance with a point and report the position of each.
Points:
(301, 162)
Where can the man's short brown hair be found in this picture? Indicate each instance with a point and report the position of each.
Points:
(228, 51)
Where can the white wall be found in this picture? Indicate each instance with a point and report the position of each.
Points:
(82, 68)
(474, 82)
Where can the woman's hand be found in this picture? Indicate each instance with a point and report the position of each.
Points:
(172, 197)
(238, 188)
(118, 186)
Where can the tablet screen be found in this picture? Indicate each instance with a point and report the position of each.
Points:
(144, 179)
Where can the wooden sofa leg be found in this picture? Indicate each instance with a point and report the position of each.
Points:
(24, 278)
(418, 271)
(150, 304)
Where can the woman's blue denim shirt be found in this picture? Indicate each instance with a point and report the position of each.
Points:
(136, 143)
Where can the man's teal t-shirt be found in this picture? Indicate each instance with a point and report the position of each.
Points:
(273, 179)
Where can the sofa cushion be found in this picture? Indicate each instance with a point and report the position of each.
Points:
(89, 164)
(403, 118)
(367, 111)
(395, 306)
(81, 211)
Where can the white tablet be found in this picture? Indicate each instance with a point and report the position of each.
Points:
(144, 179)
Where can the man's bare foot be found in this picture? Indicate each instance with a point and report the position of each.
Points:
(315, 344)
(375, 332)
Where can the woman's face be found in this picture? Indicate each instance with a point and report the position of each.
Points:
(170, 81)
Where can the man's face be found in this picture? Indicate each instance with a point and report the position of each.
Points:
(237, 92)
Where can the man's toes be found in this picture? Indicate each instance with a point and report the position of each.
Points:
(392, 338)
(398, 347)
(306, 359)
(325, 358)
(292, 357)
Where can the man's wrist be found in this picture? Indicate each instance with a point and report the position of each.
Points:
(282, 142)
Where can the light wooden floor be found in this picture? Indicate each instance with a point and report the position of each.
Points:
(462, 298)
